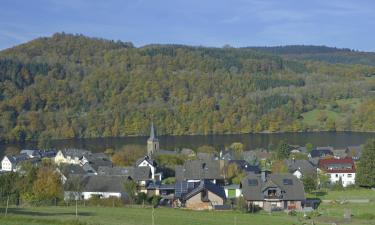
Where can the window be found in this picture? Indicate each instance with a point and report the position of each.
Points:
(349, 175)
(337, 175)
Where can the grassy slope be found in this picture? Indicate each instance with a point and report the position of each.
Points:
(138, 216)
(311, 117)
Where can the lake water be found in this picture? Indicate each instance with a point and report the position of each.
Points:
(251, 141)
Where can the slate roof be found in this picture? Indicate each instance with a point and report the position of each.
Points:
(245, 166)
(252, 187)
(15, 159)
(152, 133)
(319, 153)
(135, 173)
(72, 169)
(339, 153)
(104, 184)
(199, 170)
(31, 153)
(345, 165)
(304, 166)
(73, 153)
(206, 185)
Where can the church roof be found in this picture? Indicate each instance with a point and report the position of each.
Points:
(152, 133)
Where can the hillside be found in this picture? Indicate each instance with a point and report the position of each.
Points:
(68, 86)
(320, 53)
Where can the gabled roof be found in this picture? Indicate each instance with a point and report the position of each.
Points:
(319, 153)
(304, 166)
(15, 159)
(206, 185)
(253, 187)
(245, 166)
(199, 170)
(73, 153)
(142, 173)
(148, 159)
(104, 184)
(72, 169)
(345, 165)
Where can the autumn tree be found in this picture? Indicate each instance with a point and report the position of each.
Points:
(47, 186)
(128, 155)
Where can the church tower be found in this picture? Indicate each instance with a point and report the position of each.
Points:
(152, 142)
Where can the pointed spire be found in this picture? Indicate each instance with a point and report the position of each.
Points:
(152, 132)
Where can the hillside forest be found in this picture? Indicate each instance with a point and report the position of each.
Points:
(73, 86)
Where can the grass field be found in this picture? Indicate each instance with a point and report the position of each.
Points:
(331, 212)
(311, 118)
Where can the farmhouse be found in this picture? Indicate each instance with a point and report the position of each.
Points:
(273, 192)
(70, 156)
(11, 163)
(206, 195)
(300, 168)
(339, 170)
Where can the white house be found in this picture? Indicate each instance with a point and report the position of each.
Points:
(339, 170)
(11, 163)
(148, 162)
(232, 191)
(70, 156)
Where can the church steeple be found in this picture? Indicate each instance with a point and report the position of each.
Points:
(152, 142)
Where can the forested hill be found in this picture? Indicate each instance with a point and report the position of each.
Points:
(69, 86)
(320, 53)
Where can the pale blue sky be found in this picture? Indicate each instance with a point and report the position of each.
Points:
(338, 23)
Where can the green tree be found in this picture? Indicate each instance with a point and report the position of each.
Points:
(282, 150)
(130, 188)
(309, 147)
(366, 168)
(310, 183)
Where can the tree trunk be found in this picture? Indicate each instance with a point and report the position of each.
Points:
(6, 209)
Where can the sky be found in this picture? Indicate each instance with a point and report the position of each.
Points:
(239, 23)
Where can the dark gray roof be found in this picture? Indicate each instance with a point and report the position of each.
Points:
(104, 184)
(206, 185)
(72, 152)
(199, 170)
(304, 166)
(31, 152)
(245, 166)
(116, 171)
(135, 173)
(152, 133)
(319, 153)
(72, 169)
(15, 159)
(142, 173)
(252, 187)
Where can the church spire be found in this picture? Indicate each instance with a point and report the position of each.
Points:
(152, 132)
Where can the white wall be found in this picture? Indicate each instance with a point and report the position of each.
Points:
(88, 195)
(347, 178)
(6, 165)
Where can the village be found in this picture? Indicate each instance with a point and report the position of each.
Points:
(204, 181)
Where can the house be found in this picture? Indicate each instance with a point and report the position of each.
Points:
(321, 152)
(256, 155)
(31, 153)
(91, 162)
(226, 155)
(69, 170)
(197, 170)
(244, 166)
(206, 156)
(339, 153)
(339, 170)
(206, 195)
(141, 175)
(232, 191)
(11, 163)
(188, 152)
(98, 186)
(354, 152)
(300, 168)
(70, 156)
(149, 162)
(273, 192)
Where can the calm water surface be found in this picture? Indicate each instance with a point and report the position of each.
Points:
(251, 141)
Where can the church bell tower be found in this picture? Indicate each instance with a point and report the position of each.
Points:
(152, 142)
